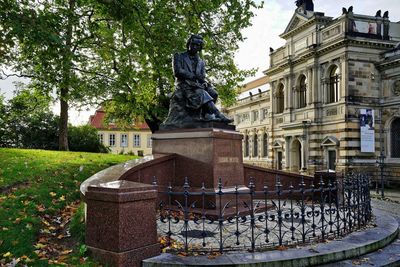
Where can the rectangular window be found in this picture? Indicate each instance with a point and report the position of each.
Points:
(111, 140)
(136, 140)
(255, 115)
(264, 113)
(149, 141)
(101, 138)
(331, 159)
(279, 159)
(124, 140)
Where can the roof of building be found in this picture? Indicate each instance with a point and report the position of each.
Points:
(98, 121)
(257, 86)
(254, 84)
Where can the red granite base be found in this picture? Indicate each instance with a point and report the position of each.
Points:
(131, 258)
(121, 222)
(207, 155)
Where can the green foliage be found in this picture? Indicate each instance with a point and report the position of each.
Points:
(36, 184)
(27, 121)
(77, 227)
(141, 36)
(85, 138)
(3, 128)
(51, 42)
(120, 50)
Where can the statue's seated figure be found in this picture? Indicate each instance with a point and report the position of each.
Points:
(194, 98)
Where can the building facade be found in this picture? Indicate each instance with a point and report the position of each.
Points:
(333, 97)
(134, 139)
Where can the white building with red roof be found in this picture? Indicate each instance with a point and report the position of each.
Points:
(135, 138)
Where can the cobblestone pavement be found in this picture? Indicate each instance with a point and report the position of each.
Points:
(237, 233)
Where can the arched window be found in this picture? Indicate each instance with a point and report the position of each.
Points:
(265, 145)
(332, 94)
(255, 145)
(280, 99)
(302, 92)
(246, 145)
(395, 138)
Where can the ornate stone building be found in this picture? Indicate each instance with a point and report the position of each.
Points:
(330, 74)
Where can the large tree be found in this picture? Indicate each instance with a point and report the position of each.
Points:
(140, 37)
(119, 50)
(51, 42)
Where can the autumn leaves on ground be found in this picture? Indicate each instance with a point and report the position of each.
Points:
(41, 216)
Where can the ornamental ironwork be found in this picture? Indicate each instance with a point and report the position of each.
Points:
(243, 218)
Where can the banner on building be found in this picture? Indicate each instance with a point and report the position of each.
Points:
(367, 130)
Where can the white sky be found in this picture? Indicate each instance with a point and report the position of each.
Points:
(267, 25)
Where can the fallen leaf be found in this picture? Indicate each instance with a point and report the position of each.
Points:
(211, 257)
(39, 245)
(41, 208)
(53, 194)
(281, 248)
(65, 252)
(62, 198)
(182, 254)
(6, 255)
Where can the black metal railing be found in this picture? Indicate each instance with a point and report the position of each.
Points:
(246, 218)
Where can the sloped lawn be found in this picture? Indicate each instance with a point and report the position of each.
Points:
(39, 199)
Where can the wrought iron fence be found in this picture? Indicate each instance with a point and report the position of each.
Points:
(253, 219)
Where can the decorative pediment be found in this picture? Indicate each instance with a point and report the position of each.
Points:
(277, 144)
(297, 20)
(330, 141)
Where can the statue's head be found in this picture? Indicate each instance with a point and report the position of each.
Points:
(195, 43)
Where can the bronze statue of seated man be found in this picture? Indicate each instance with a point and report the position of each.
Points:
(194, 98)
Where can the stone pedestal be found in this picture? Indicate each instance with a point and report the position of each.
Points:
(217, 152)
(121, 222)
(206, 155)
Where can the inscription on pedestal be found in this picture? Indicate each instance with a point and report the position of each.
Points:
(228, 160)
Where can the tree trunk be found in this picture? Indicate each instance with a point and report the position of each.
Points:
(64, 90)
(63, 123)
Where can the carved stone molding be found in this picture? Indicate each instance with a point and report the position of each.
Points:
(396, 88)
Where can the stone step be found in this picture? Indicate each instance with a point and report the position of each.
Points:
(354, 245)
(387, 256)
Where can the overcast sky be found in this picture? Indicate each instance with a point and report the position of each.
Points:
(269, 23)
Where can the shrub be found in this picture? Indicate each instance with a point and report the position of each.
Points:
(85, 138)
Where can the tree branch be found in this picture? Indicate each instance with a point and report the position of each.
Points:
(16, 75)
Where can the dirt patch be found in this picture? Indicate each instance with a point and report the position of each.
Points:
(14, 187)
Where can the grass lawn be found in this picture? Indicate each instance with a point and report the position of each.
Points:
(39, 199)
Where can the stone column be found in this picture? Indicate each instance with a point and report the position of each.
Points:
(287, 152)
(288, 92)
(303, 153)
(316, 85)
(272, 95)
(311, 86)
(121, 225)
(344, 76)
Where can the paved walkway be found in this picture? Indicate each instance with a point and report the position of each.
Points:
(389, 256)
(391, 195)
(390, 204)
